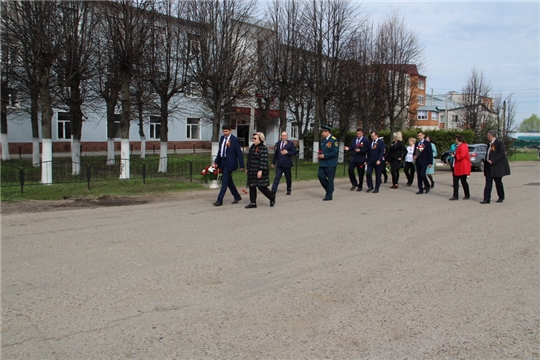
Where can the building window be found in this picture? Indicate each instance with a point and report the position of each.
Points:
(420, 99)
(294, 130)
(454, 118)
(116, 130)
(12, 98)
(155, 127)
(421, 84)
(193, 90)
(422, 115)
(434, 115)
(64, 125)
(193, 128)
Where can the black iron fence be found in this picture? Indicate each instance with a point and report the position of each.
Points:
(93, 169)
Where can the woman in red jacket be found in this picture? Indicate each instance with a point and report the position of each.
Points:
(462, 167)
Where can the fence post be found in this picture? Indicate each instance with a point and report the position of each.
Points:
(88, 172)
(154, 149)
(191, 171)
(144, 173)
(175, 148)
(21, 179)
(20, 152)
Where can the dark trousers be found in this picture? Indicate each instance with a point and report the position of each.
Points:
(422, 178)
(464, 184)
(326, 177)
(394, 170)
(489, 186)
(409, 172)
(279, 172)
(253, 193)
(360, 167)
(378, 172)
(227, 182)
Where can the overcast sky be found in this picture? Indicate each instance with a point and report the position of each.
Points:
(500, 38)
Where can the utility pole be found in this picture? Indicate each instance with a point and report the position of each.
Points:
(503, 119)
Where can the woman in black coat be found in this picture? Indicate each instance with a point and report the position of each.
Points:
(258, 172)
(395, 154)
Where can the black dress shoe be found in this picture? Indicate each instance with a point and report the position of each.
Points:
(352, 188)
(236, 201)
(375, 191)
(432, 185)
(500, 200)
(273, 201)
(484, 202)
(453, 198)
(369, 189)
(359, 188)
(427, 189)
(419, 192)
(251, 206)
(326, 199)
(288, 193)
(466, 197)
(217, 203)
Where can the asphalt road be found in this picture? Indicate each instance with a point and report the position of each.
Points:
(392, 275)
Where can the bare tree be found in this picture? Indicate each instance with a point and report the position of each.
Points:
(128, 29)
(34, 26)
(397, 58)
(77, 45)
(172, 48)
(476, 105)
(329, 27)
(223, 69)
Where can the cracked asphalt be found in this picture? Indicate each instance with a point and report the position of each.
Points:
(392, 275)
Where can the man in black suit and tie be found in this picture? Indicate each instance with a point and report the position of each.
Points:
(375, 161)
(283, 152)
(495, 167)
(228, 157)
(423, 155)
(359, 147)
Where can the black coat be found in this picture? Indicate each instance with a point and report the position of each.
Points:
(499, 166)
(258, 160)
(396, 152)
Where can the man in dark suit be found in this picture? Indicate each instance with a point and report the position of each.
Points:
(228, 157)
(283, 152)
(359, 147)
(495, 167)
(375, 160)
(423, 155)
(328, 157)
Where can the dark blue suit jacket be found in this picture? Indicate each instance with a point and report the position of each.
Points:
(284, 161)
(425, 157)
(233, 154)
(360, 157)
(376, 153)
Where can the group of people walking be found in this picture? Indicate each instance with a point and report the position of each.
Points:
(368, 156)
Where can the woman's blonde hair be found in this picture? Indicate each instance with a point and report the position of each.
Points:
(261, 136)
(398, 136)
(413, 140)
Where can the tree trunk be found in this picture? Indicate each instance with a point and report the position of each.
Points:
(46, 131)
(4, 123)
(34, 116)
(124, 128)
(76, 130)
(164, 135)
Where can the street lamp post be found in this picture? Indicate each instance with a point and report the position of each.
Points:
(502, 134)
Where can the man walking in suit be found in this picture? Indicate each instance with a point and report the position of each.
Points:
(423, 154)
(495, 167)
(328, 157)
(283, 152)
(228, 157)
(375, 160)
(359, 147)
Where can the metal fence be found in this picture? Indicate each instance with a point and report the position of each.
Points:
(93, 169)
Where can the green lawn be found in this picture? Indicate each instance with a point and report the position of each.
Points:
(524, 156)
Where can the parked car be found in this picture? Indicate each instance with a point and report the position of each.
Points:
(478, 154)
